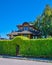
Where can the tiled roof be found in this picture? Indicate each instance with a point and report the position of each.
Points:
(25, 32)
(13, 33)
(34, 32)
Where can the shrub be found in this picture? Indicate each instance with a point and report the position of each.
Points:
(28, 47)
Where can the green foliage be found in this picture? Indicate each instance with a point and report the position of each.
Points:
(28, 47)
(44, 22)
(7, 47)
(37, 48)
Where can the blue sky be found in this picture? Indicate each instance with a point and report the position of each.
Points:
(14, 12)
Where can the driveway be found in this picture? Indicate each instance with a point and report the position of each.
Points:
(6, 61)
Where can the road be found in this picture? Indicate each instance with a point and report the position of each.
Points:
(6, 61)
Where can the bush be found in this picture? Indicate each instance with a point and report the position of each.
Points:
(7, 48)
(28, 47)
(38, 48)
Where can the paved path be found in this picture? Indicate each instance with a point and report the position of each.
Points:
(5, 61)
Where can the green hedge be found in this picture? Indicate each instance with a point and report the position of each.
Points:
(7, 48)
(28, 47)
(38, 48)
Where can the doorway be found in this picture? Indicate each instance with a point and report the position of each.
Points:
(17, 50)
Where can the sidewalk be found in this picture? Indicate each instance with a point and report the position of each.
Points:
(29, 59)
(6, 61)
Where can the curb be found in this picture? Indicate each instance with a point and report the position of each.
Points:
(29, 59)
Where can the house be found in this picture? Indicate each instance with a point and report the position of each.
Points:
(25, 29)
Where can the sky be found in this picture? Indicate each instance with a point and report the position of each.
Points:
(14, 12)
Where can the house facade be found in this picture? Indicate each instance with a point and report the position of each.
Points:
(26, 30)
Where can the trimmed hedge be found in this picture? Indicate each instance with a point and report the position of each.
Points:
(38, 48)
(28, 47)
(7, 48)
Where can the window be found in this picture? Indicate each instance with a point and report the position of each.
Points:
(26, 28)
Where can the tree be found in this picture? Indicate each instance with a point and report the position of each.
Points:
(44, 22)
